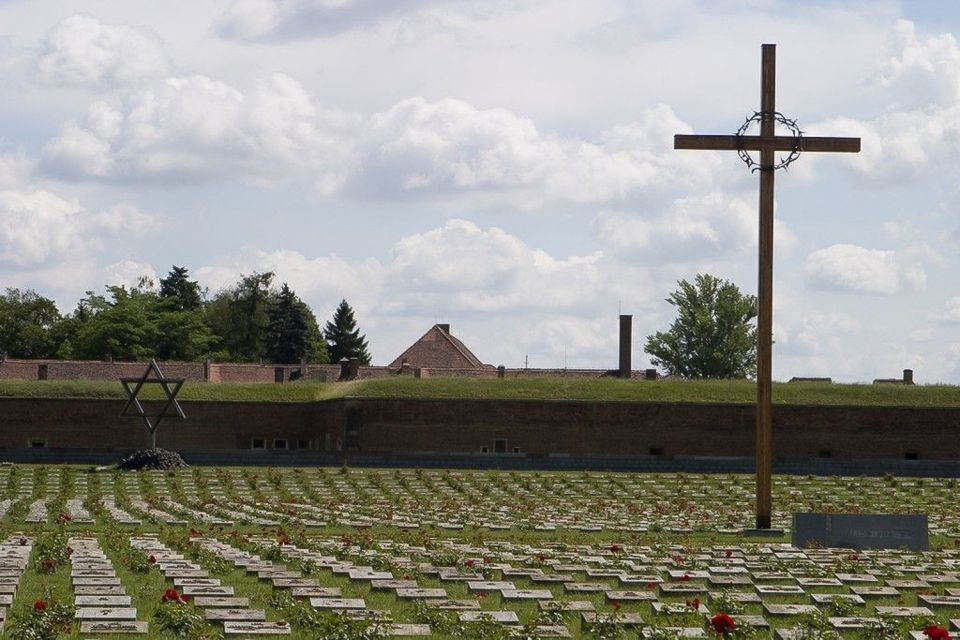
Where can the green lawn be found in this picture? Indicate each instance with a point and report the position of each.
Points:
(555, 388)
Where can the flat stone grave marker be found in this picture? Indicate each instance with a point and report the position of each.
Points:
(316, 592)
(503, 617)
(645, 596)
(875, 592)
(102, 601)
(409, 629)
(827, 598)
(225, 601)
(338, 603)
(229, 613)
(861, 530)
(853, 622)
(774, 609)
(489, 585)
(290, 583)
(743, 597)
(255, 627)
(625, 619)
(418, 592)
(96, 582)
(454, 604)
(904, 612)
(98, 590)
(105, 613)
(779, 590)
(115, 626)
(526, 594)
(566, 605)
(207, 590)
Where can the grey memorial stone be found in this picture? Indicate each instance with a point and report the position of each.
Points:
(861, 530)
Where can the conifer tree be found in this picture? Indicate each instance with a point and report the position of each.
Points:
(288, 332)
(344, 338)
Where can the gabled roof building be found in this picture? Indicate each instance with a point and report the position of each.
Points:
(438, 349)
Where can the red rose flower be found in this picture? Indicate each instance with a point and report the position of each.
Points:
(172, 595)
(39, 605)
(615, 548)
(685, 577)
(722, 623)
(936, 632)
(616, 605)
(694, 604)
(728, 552)
(152, 559)
(468, 563)
(651, 585)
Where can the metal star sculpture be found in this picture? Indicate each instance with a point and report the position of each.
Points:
(134, 409)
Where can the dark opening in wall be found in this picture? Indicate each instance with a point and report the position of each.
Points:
(825, 453)
(279, 443)
(38, 443)
(258, 443)
(303, 444)
(911, 455)
(500, 445)
(516, 449)
(656, 451)
(484, 449)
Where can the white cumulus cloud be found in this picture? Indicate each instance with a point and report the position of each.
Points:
(282, 20)
(82, 50)
(848, 267)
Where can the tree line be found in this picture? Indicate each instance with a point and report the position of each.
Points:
(251, 321)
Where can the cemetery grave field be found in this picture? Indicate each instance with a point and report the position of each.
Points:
(209, 552)
(546, 388)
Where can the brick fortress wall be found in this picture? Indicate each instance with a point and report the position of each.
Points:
(536, 428)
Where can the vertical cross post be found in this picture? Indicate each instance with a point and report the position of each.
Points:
(765, 290)
(767, 143)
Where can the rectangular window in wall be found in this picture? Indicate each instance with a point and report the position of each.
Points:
(516, 449)
(279, 443)
(258, 443)
(484, 449)
(500, 445)
(38, 443)
(303, 444)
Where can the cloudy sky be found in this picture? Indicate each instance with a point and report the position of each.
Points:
(504, 166)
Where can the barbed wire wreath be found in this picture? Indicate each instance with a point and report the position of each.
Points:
(779, 118)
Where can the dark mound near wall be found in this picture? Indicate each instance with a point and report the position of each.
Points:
(145, 459)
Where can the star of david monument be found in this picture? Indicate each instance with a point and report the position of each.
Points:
(135, 409)
(767, 143)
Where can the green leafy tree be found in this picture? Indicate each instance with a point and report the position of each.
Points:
(343, 336)
(713, 336)
(123, 327)
(181, 293)
(27, 324)
(292, 332)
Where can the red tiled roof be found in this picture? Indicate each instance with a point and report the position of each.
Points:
(437, 349)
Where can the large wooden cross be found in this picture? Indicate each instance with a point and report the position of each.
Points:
(767, 143)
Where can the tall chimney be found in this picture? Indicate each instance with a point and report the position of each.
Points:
(626, 345)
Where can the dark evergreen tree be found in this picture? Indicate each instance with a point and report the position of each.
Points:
(288, 332)
(179, 291)
(343, 336)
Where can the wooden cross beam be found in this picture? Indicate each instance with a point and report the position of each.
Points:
(767, 143)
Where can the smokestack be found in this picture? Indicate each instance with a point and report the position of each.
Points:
(626, 345)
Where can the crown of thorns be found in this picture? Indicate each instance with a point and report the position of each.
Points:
(781, 119)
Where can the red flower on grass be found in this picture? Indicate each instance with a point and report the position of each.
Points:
(728, 552)
(722, 623)
(63, 518)
(615, 548)
(616, 605)
(685, 577)
(651, 585)
(152, 559)
(39, 605)
(936, 632)
(468, 563)
(694, 604)
(172, 595)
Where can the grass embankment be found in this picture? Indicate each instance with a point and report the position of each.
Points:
(557, 388)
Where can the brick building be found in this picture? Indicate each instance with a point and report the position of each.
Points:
(438, 349)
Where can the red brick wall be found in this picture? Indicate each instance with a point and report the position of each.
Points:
(537, 427)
